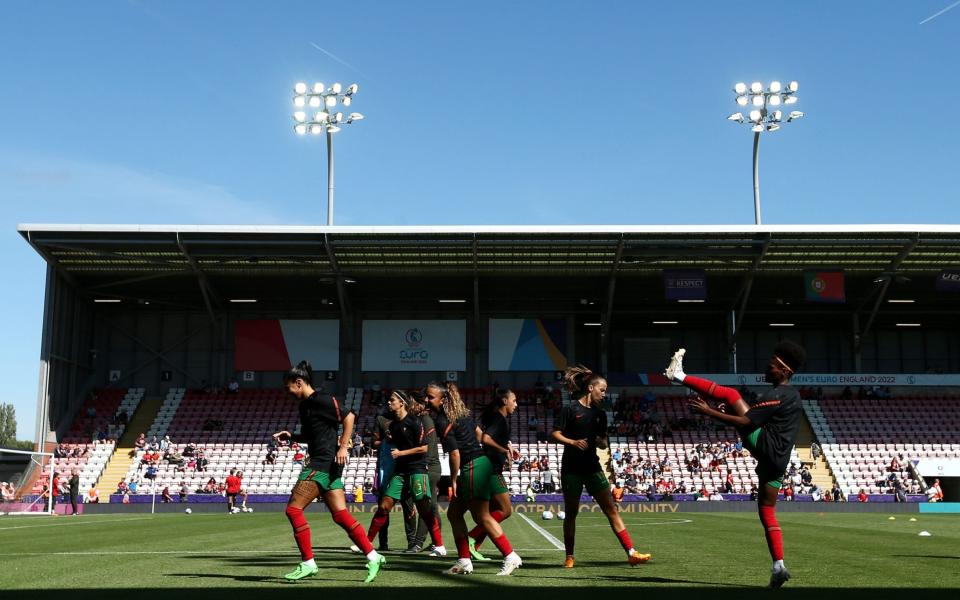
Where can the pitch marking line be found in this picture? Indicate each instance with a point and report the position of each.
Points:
(199, 552)
(546, 534)
(74, 523)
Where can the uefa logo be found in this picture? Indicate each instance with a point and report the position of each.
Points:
(413, 337)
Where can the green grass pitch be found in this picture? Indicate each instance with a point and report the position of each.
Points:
(176, 556)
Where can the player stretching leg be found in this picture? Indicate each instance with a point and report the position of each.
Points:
(470, 474)
(320, 418)
(582, 428)
(767, 426)
(496, 446)
(407, 433)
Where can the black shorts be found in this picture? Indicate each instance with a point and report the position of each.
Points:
(231, 496)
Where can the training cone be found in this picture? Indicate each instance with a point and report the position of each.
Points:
(913, 519)
(892, 519)
(924, 534)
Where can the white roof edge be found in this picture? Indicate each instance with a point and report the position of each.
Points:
(531, 229)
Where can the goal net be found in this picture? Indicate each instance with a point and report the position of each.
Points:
(17, 497)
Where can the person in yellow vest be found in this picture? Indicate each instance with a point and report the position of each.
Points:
(358, 494)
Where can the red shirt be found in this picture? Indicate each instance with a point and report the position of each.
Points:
(861, 497)
(233, 484)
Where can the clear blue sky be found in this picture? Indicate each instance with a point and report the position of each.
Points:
(532, 112)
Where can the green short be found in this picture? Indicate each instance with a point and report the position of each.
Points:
(418, 484)
(321, 478)
(473, 483)
(498, 485)
(573, 483)
(766, 472)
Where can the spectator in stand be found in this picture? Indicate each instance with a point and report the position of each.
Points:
(935, 492)
(298, 457)
(815, 451)
(753, 493)
(617, 492)
(862, 496)
(531, 496)
(93, 496)
(894, 464)
(728, 484)
(788, 493)
(190, 449)
(151, 473)
(271, 458)
(233, 387)
(7, 492)
(184, 490)
(201, 463)
(211, 486)
(141, 443)
(133, 486)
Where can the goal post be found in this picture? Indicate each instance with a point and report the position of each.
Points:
(15, 469)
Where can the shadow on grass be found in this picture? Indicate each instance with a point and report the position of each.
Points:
(483, 591)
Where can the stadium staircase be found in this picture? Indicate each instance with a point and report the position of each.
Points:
(122, 457)
(820, 471)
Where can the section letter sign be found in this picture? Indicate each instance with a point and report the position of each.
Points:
(414, 345)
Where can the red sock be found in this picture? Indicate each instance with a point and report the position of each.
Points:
(624, 538)
(380, 519)
(301, 531)
(433, 524)
(705, 387)
(344, 519)
(771, 529)
(463, 547)
(502, 544)
(479, 534)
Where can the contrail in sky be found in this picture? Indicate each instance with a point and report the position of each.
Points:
(931, 17)
(348, 65)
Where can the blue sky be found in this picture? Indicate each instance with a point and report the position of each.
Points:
(524, 112)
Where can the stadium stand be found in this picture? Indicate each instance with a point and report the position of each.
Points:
(861, 437)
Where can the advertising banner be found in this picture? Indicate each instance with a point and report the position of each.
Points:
(948, 281)
(414, 345)
(809, 379)
(685, 284)
(277, 344)
(528, 345)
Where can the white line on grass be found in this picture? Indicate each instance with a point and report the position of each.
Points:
(84, 522)
(200, 552)
(546, 534)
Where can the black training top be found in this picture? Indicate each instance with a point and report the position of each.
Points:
(497, 427)
(460, 436)
(579, 422)
(430, 438)
(777, 413)
(406, 434)
(320, 418)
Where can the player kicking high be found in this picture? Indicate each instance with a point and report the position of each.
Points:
(320, 417)
(767, 426)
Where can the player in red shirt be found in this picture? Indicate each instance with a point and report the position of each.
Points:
(233, 488)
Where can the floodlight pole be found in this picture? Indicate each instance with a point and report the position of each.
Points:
(756, 177)
(329, 178)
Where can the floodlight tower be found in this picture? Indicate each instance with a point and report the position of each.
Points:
(765, 115)
(323, 120)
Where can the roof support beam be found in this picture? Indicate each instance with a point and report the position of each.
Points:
(744, 296)
(886, 277)
(202, 281)
(607, 316)
(158, 355)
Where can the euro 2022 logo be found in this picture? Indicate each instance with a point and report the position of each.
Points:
(413, 337)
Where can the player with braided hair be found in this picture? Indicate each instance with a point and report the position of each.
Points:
(768, 427)
(582, 428)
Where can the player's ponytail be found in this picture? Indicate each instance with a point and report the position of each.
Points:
(303, 371)
(577, 379)
(453, 405)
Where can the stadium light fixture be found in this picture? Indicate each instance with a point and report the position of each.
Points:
(781, 324)
(665, 322)
(900, 301)
(909, 325)
(691, 301)
(452, 301)
(243, 300)
(107, 300)
(322, 97)
(763, 120)
(592, 324)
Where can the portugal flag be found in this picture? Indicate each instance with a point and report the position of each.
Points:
(824, 286)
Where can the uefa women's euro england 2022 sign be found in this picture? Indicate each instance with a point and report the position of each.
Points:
(414, 345)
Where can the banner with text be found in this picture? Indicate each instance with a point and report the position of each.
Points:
(414, 345)
(528, 345)
(948, 281)
(276, 344)
(801, 379)
(685, 284)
